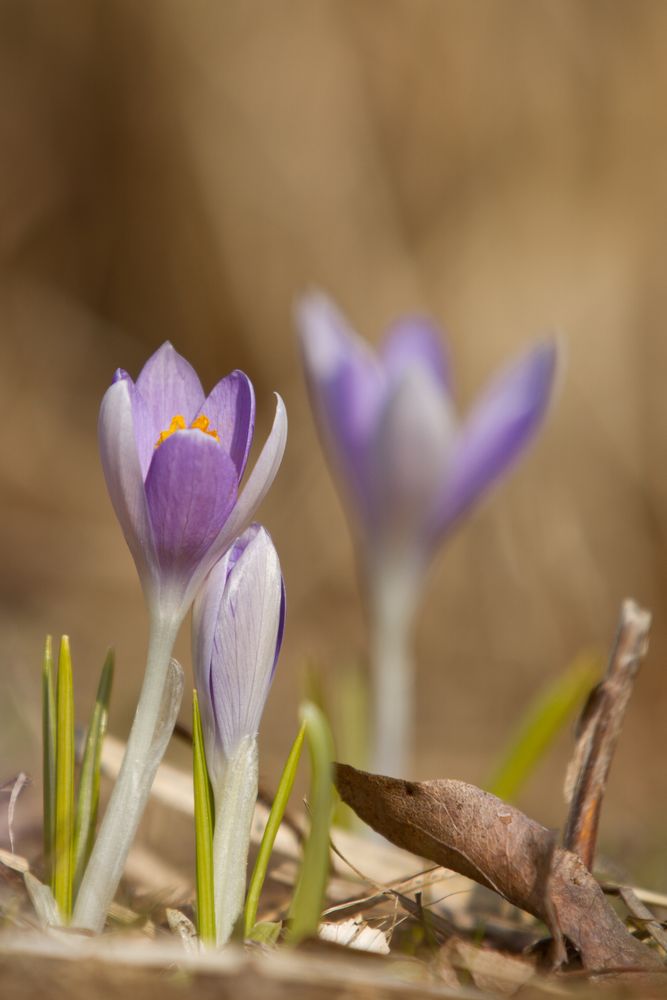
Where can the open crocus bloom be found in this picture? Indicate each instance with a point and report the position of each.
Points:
(408, 466)
(173, 460)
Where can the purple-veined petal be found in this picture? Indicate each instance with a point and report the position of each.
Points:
(246, 603)
(346, 385)
(122, 471)
(255, 489)
(169, 386)
(409, 456)
(415, 341)
(191, 488)
(230, 408)
(204, 620)
(501, 424)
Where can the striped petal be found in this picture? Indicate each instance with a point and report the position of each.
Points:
(237, 629)
(168, 386)
(190, 489)
(230, 408)
(122, 471)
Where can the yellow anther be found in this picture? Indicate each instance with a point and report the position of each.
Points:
(177, 424)
(200, 423)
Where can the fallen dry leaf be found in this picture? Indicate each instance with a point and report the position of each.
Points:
(478, 835)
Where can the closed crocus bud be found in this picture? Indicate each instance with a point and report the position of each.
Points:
(238, 621)
(409, 467)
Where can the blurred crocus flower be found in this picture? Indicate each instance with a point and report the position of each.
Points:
(173, 459)
(409, 468)
(238, 622)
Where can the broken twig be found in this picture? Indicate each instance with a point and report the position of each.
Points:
(598, 732)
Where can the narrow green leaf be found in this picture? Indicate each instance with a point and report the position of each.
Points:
(270, 832)
(48, 756)
(308, 899)
(203, 831)
(63, 868)
(542, 722)
(89, 779)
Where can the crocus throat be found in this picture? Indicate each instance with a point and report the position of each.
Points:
(178, 423)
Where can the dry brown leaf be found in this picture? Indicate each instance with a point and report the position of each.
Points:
(478, 835)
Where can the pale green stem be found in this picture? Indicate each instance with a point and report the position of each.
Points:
(132, 788)
(235, 798)
(393, 594)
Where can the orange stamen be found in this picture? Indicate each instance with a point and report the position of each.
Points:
(200, 423)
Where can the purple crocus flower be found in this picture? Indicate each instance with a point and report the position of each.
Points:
(238, 621)
(173, 460)
(409, 468)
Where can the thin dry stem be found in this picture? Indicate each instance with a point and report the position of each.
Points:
(599, 730)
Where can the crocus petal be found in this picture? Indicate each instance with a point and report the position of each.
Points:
(191, 488)
(346, 384)
(169, 386)
(409, 456)
(281, 625)
(256, 487)
(415, 342)
(245, 640)
(230, 408)
(125, 483)
(204, 621)
(500, 426)
(237, 625)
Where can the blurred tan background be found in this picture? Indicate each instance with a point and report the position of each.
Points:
(182, 171)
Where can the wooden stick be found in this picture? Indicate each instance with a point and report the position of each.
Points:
(599, 730)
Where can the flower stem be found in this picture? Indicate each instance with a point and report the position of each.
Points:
(393, 593)
(132, 788)
(235, 798)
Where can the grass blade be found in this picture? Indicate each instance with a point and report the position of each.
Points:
(89, 780)
(48, 756)
(64, 813)
(542, 722)
(203, 831)
(270, 832)
(308, 899)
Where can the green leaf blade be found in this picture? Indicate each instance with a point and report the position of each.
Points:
(89, 780)
(276, 814)
(308, 899)
(203, 831)
(541, 723)
(48, 756)
(63, 868)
